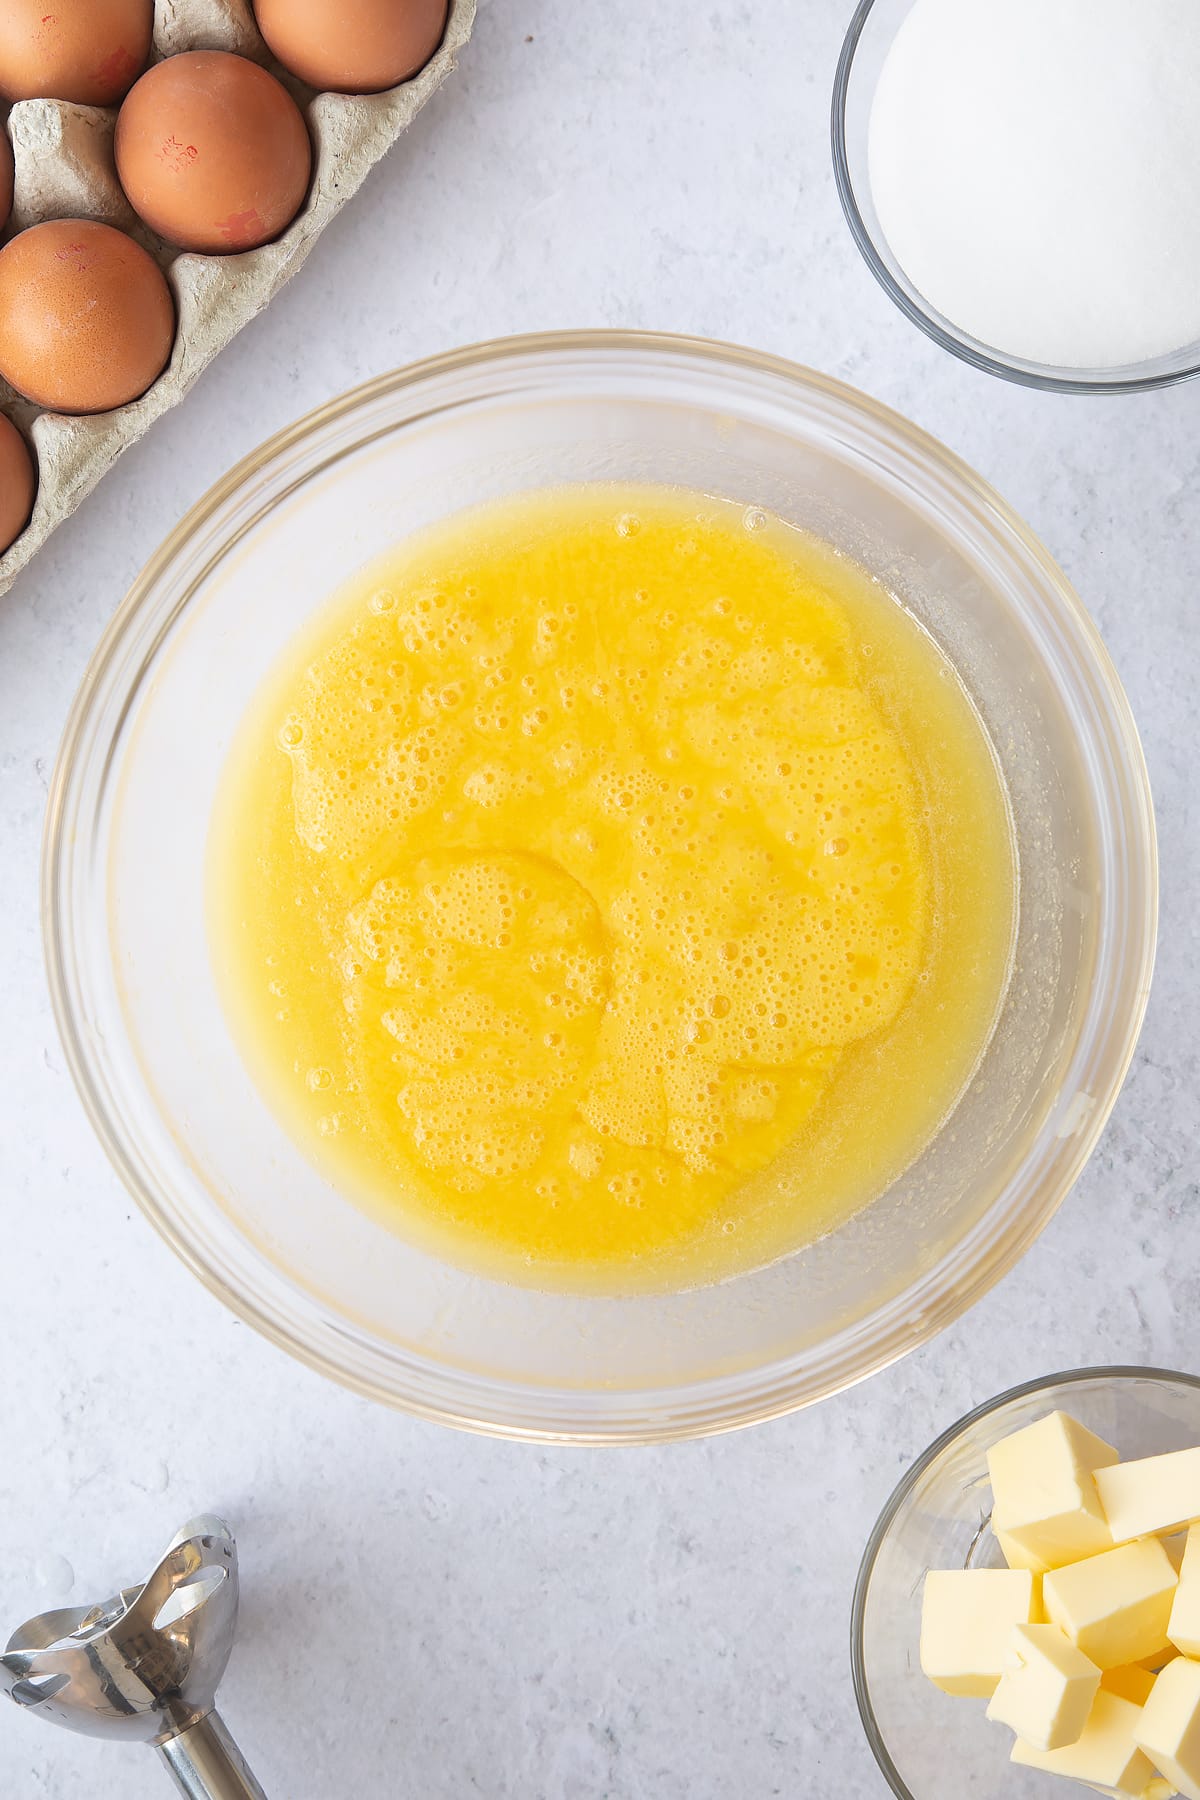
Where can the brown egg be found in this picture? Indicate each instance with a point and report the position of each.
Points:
(86, 317)
(213, 153)
(6, 178)
(18, 484)
(352, 46)
(91, 51)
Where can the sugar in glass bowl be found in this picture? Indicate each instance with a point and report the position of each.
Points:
(930, 1745)
(124, 884)
(868, 40)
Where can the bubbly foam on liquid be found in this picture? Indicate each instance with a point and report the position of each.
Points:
(587, 845)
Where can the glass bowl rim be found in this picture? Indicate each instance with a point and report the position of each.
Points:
(707, 1405)
(1112, 1372)
(1045, 377)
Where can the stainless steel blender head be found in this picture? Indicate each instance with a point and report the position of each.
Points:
(145, 1665)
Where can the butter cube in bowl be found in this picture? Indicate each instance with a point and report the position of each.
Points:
(1028, 1664)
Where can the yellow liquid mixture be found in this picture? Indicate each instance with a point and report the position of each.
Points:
(612, 888)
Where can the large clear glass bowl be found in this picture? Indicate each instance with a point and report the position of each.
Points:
(930, 1745)
(867, 42)
(124, 884)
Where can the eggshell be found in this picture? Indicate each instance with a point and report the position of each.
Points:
(18, 484)
(352, 46)
(213, 152)
(6, 178)
(86, 316)
(89, 51)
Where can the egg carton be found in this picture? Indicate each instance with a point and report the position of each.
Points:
(65, 169)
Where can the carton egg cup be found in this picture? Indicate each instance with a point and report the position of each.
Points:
(65, 169)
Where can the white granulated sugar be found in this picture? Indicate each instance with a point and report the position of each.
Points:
(1035, 167)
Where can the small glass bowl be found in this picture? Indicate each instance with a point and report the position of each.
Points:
(130, 961)
(934, 1746)
(868, 40)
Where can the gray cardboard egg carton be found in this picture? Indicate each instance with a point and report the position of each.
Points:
(65, 169)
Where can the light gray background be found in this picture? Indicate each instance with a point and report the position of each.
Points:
(431, 1613)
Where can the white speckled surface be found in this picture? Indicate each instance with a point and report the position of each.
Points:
(494, 1619)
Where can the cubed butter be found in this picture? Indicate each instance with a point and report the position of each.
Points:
(1046, 1692)
(1175, 1545)
(1115, 1606)
(1157, 1494)
(1169, 1730)
(1184, 1626)
(1107, 1754)
(1044, 1495)
(1158, 1789)
(967, 1619)
(1131, 1681)
(1015, 1555)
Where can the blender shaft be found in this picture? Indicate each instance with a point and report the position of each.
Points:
(207, 1765)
